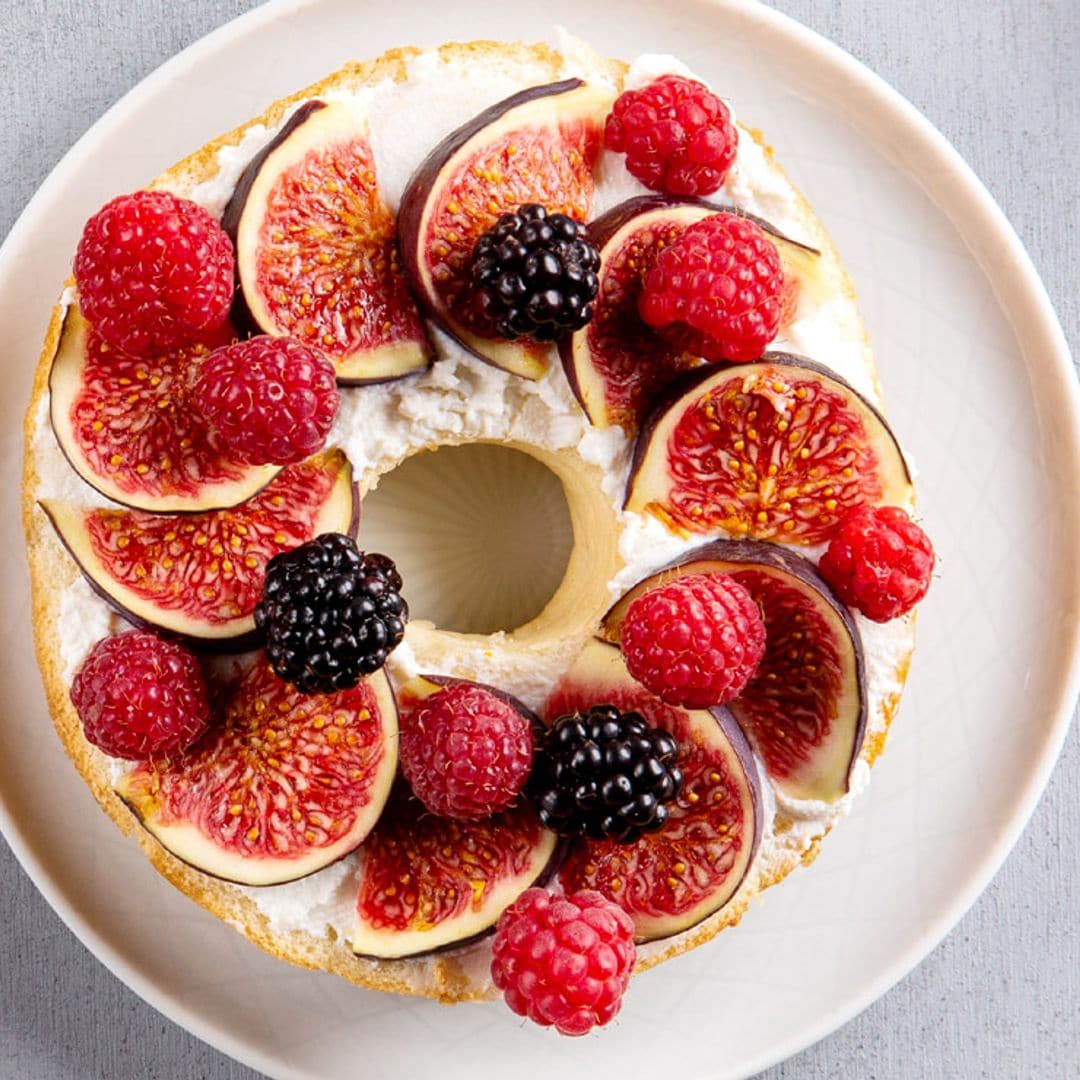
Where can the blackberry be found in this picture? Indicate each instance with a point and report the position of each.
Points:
(331, 614)
(606, 774)
(534, 274)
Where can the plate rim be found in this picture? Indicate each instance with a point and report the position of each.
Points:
(958, 192)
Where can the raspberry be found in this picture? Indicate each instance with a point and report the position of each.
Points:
(139, 696)
(677, 135)
(466, 752)
(695, 642)
(154, 272)
(879, 561)
(269, 401)
(716, 291)
(564, 960)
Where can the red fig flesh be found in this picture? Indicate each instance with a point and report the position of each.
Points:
(126, 425)
(776, 449)
(284, 785)
(316, 248)
(200, 575)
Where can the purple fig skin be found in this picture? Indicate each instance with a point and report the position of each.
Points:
(240, 643)
(741, 745)
(760, 553)
(240, 314)
(688, 380)
(607, 225)
(426, 177)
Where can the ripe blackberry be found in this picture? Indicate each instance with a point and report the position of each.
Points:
(606, 774)
(331, 614)
(534, 274)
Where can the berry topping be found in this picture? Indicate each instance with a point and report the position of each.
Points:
(564, 960)
(678, 136)
(139, 697)
(716, 292)
(154, 272)
(269, 401)
(466, 752)
(534, 274)
(606, 774)
(879, 561)
(694, 642)
(331, 614)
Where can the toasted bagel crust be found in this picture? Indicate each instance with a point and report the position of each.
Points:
(444, 977)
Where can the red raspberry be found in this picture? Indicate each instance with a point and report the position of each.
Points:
(269, 401)
(677, 135)
(139, 696)
(466, 752)
(154, 272)
(879, 561)
(564, 960)
(694, 642)
(717, 290)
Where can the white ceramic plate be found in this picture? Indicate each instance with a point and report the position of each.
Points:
(980, 387)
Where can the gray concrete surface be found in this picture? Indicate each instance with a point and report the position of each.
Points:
(1001, 996)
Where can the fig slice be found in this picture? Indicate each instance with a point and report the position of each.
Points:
(539, 145)
(316, 248)
(429, 883)
(125, 425)
(779, 448)
(617, 365)
(283, 785)
(804, 711)
(670, 880)
(200, 575)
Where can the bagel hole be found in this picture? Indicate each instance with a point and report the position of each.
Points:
(481, 534)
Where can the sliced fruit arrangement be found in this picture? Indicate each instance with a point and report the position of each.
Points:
(672, 879)
(804, 709)
(316, 249)
(201, 575)
(284, 785)
(429, 883)
(776, 449)
(127, 426)
(617, 365)
(438, 873)
(538, 146)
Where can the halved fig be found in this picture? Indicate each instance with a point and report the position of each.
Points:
(804, 710)
(283, 785)
(775, 449)
(200, 575)
(429, 883)
(539, 146)
(126, 425)
(316, 248)
(617, 364)
(670, 880)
